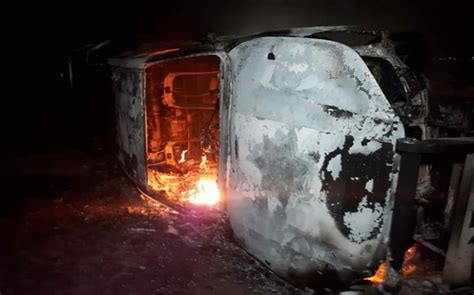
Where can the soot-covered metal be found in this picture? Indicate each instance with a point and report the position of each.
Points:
(312, 161)
(128, 88)
(307, 164)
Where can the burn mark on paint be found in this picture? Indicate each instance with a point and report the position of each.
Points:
(236, 147)
(337, 112)
(315, 156)
(364, 141)
(345, 192)
(281, 169)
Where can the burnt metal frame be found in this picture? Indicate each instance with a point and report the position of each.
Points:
(412, 153)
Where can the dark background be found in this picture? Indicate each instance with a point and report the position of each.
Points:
(40, 114)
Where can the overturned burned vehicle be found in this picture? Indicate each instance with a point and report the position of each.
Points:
(292, 132)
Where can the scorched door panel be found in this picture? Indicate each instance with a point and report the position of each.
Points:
(312, 145)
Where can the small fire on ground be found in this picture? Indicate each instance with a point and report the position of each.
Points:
(195, 184)
(408, 267)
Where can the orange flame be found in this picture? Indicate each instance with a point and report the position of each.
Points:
(408, 267)
(198, 185)
(183, 157)
(379, 275)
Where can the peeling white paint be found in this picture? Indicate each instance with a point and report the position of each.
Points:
(367, 149)
(361, 222)
(369, 185)
(335, 167)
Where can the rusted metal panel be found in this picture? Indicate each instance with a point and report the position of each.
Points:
(128, 88)
(312, 147)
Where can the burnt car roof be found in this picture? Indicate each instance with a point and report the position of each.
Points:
(153, 52)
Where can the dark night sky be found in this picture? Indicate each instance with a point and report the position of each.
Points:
(445, 24)
(44, 34)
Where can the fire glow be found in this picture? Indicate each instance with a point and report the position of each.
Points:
(407, 269)
(197, 185)
(207, 193)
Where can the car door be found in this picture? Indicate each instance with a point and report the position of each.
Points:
(311, 165)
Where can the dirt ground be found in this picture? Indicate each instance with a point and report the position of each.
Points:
(78, 226)
(89, 231)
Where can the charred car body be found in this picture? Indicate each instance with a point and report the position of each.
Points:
(298, 131)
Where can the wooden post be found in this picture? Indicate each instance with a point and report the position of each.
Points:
(459, 257)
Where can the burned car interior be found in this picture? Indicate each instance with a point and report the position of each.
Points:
(182, 112)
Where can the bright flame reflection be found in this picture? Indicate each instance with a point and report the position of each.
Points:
(207, 193)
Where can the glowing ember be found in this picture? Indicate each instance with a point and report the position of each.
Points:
(409, 266)
(207, 193)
